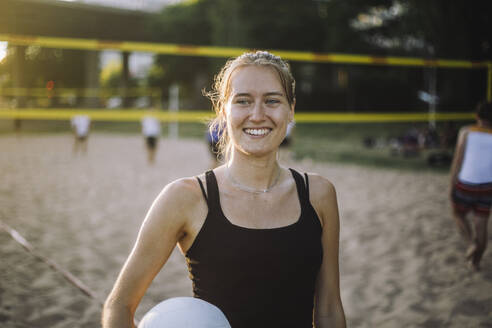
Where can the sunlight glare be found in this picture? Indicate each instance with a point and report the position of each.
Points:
(3, 50)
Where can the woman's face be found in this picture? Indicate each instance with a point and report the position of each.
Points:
(257, 110)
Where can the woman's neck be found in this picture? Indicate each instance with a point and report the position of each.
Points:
(258, 173)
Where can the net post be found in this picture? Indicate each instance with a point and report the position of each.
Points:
(489, 81)
(173, 108)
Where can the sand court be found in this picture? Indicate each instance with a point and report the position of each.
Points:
(402, 261)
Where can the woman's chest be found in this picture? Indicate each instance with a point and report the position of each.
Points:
(260, 212)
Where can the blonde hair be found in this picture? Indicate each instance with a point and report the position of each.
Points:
(221, 90)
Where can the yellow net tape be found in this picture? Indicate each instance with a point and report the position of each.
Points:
(81, 92)
(204, 116)
(208, 51)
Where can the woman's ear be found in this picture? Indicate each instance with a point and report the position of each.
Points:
(292, 110)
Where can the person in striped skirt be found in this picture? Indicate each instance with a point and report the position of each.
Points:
(471, 183)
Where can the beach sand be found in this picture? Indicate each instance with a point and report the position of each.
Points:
(401, 259)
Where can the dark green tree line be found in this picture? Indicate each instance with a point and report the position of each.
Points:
(431, 29)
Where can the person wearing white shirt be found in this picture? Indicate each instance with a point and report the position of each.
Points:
(471, 183)
(80, 126)
(151, 129)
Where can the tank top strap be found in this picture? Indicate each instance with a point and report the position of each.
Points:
(213, 200)
(302, 189)
(202, 188)
(307, 186)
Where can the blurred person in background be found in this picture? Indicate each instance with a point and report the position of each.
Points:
(80, 126)
(471, 182)
(284, 150)
(213, 137)
(261, 241)
(151, 129)
(17, 126)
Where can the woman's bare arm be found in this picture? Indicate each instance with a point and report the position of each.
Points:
(458, 156)
(328, 311)
(162, 228)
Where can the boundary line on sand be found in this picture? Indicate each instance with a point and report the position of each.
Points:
(18, 238)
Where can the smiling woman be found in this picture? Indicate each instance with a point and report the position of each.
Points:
(260, 240)
(258, 110)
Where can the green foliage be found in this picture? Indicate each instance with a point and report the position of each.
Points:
(186, 23)
(112, 75)
(65, 67)
(443, 29)
(343, 143)
(408, 28)
(327, 142)
(458, 29)
(277, 24)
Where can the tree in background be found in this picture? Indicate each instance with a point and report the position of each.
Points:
(188, 24)
(315, 26)
(43, 64)
(432, 29)
(59, 68)
(438, 29)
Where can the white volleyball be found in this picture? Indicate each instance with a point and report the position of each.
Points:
(184, 312)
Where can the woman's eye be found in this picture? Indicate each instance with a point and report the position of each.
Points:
(242, 101)
(272, 101)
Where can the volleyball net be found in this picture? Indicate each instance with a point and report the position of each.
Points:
(130, 104)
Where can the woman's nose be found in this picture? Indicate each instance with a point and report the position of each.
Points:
(258, 112)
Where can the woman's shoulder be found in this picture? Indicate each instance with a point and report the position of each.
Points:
(184, 189)
(477, 128)
(322, 194)
(464, 130)
(320, 186)
(181, 196)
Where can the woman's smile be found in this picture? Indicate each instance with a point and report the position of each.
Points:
(257, 132)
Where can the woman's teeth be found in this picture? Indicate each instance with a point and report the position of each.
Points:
(257, 132)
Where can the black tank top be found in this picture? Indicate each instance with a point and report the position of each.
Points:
(257, 277)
